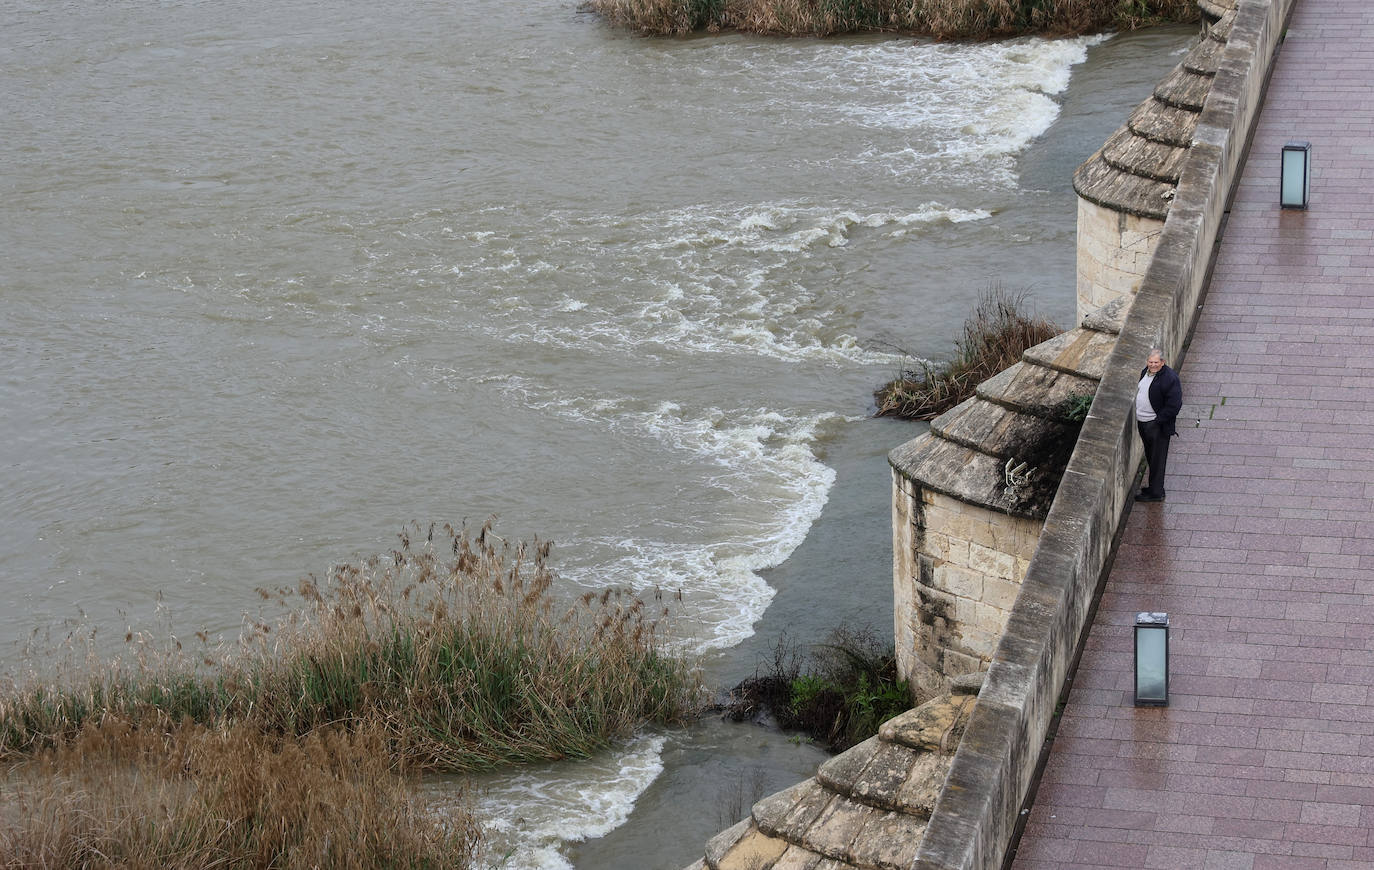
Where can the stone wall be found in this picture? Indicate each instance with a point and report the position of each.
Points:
(957, 568)
(963, 528)
(974, 818)
(1126, 188)
(1114, 250)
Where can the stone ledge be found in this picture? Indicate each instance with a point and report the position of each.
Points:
(1108, 318)
(999, 431)
(932, 727)
(1035, 390)
(1157, 161)
(1158, 122)
(964, 474)
(1183, 90)
(1102, 184)
(1080, 351)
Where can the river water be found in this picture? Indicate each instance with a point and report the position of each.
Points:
(278, 278)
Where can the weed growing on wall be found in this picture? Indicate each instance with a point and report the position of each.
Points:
(995, 335)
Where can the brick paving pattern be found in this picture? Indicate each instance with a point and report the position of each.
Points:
(1263, 554)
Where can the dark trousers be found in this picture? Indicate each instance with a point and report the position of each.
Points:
(1156, 454)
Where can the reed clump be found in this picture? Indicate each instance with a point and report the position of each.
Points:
(995, 335)
(157, 794)
(449, 654)
(454, 648)
(942, 19)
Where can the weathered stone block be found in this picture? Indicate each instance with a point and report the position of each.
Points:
(956, 663)
(841, 772)
(918, 794)
(990, 619)
(888, 842)
(967, 684)
(932, 726)
(881, 782)
(720, 845)
(798, 858)
(791, 811)
(836, 829)
(754, 850)
(964, 612)
(1001, 593)
(959, 581)
(991, 563)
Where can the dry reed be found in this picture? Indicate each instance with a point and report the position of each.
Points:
(454, 647)
(943, 19)
(156, 795)
(995, 336)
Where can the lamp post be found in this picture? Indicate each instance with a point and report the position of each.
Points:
(1295, 174)
(1152, 659)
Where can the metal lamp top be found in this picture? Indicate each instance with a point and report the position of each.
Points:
(1151, 618)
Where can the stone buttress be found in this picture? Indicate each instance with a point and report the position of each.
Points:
(1125, 189)
(969, 498)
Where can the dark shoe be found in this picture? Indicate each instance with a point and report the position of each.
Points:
(1145, 496)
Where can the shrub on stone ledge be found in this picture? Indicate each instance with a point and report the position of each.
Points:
(995, 336)
(844, 690)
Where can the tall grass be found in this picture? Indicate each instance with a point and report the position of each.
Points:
(451, 653)
(156, 794)
(995, 335)
(944, 19)
(454, 648)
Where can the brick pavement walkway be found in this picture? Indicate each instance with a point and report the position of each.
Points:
(1263, 554)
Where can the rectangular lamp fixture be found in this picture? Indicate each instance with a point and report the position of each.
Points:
(1295, 171)
(1152, 659)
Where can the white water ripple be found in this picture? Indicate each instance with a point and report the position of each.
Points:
(711, 281)
(776, 486)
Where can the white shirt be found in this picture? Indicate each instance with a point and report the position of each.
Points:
(1144, 411)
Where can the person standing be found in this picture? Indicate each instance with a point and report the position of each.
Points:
(1158, 400)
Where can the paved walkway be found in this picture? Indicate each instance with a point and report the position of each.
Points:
(1263, 554)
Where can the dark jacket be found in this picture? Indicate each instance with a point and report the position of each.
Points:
(1166, 398)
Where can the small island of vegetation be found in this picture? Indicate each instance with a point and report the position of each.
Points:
(941, 19)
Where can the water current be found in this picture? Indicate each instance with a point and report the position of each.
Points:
(279, 278)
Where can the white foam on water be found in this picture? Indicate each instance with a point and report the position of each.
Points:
(714, 280)
(969, 108)
(530, 813)
(777, 485)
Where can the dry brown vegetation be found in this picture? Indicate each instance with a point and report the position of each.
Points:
(943, 19)
(995, 336)
(448, 654)
(155, 795)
